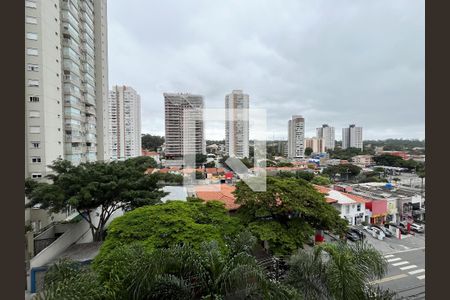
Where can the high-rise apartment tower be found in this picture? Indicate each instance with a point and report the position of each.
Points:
(352, 137)
(66, 83)
(327, 134)
(124, 123)
(296, 137)
(183, 135)
(237, 124)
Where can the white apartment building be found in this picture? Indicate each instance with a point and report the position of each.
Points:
(237, 124)
(327, 133)
(296, 137)
(66, 80)
(316, 144)
(183, 135)
(352, 137)
(124, 122)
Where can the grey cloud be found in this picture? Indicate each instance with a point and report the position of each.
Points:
(336, 62)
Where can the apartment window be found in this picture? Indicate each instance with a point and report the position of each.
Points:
(35, 129)
(34, 99)
(358, 207)
(33, 82)
(30, 4)
(36, 175)
(35, 114)
(31, 20)
(32, 51)
(33, 67)
(35, 159)
(32, 36)
(347, 209)
(35, 145)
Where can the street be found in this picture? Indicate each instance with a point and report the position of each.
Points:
(406, 265)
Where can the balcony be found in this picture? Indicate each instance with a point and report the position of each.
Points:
(73, 150)
(70, 126)
(69, 138)
(70, 89)
(75, 80)
(71, 101)
(90, 110)
(91, 149)
(91, 120)
(89, 99)
(91, 138)
(71, 66)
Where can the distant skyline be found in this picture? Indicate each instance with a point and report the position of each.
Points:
(334, 62)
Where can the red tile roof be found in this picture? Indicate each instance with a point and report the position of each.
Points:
(211, 192)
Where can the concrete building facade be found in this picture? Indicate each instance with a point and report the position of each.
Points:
(327, 133)
(65, 82)
(237, 124)
(352, 137)
(316, 144)
(177, 107)
(124, 123)
(296, 137)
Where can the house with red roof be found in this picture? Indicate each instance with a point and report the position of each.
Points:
(219, 192)
(350, 207)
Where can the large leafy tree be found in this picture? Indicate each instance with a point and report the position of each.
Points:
(343, 169)
(287, 213)
(106, 187)
(171, 223)
(338, 271)
(152, 142)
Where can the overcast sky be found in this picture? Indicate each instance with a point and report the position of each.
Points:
(336, 62)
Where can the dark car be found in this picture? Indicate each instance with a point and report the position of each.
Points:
(384, 229)
(359, 232)
(352, 236)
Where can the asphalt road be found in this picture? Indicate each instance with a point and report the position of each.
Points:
(406, 265)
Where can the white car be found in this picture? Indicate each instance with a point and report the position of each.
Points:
(417, 227)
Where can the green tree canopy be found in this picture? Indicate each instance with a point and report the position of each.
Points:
(321, 180)
(96, 185)
(171, 223)
(152, 142)
(308, 151)
(287, 213)
(343, 170)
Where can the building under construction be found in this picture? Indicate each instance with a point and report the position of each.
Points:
(184, 125)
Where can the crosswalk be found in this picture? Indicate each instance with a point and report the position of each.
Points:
(405, 265)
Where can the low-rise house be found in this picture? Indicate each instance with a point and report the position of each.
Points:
(152, 154)
(363, 160)
(220, 192)
(351, 207)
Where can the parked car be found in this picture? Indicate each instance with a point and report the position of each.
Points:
(352, 236)
(403, 230)
(359, 232)
(417, 227)
(384, 229)
(369, 229)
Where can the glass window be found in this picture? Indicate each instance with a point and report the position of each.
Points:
(36, 175)
(34, 99)
(32, 51)
(35, 114)
(36, 145)
(33, 67)
(36, 159)
(35, 129)
(31, 20)
(30, 4)
(33, 82)
(32, 36)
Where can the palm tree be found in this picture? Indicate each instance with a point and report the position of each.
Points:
(337, 271)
